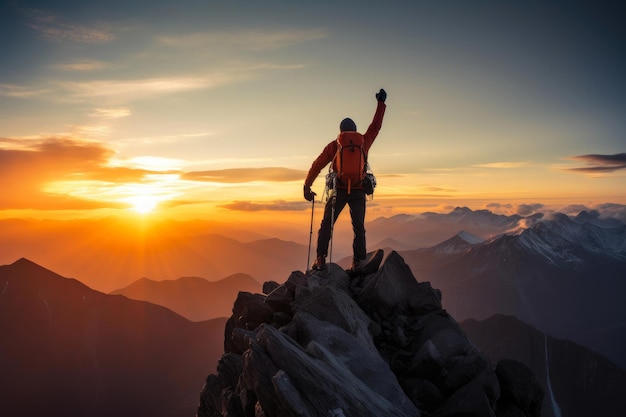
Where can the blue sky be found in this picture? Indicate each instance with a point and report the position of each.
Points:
(489, 102)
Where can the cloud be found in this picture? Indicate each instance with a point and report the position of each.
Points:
(615, 210)
(239, 175)
(249, 39)
(501, 165)
(28, 166)
(528, 209)
(110, 113)
(440, 189)
(600, 163)
(85, 65)
(603, 210)
(12, 90)
(277, 205)
(499, 205)
(148, 87)
(52, 27)
(574, 209)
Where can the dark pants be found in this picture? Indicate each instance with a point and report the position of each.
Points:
(356, 202)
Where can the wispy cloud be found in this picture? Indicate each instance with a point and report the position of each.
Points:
(240, 175)
(148, 87)
(110, 113)
(603, 210)
(528, 209)
(502, 165)
(278, 205)
(53, 27)
(12, 90)
(598, 164)
(440, 189)
(85, 65)
(250, 39)
(149, 140)
(615, 210)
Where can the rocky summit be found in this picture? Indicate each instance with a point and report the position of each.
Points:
(376, 343)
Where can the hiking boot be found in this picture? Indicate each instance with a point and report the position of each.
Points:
(357, 264)
(319, 263)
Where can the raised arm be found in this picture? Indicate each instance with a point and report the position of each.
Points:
(377, 122)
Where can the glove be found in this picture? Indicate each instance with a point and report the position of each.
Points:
(381, 95)
(308, 194)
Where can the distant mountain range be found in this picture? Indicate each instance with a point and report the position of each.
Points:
(192, 297)
(428, 229)
(108, 254)
(564, 275)
(68, 350)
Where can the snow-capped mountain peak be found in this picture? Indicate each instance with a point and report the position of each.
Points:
(565, 239)
(460, 242)
(470, 238)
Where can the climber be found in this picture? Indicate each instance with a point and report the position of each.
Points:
(348, 154)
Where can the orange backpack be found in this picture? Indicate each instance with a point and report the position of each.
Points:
(350, 161)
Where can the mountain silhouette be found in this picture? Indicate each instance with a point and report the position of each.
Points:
(563, 275)
(392, 244)
(68, 350)
(159, 251)
(192, 297)
(577, 381)
(429, 229)
(167, 250)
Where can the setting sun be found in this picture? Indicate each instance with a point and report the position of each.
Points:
(143, 204)
(144, 198)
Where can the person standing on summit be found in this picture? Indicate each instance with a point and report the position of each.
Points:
(349, 189)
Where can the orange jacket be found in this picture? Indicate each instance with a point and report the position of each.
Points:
(328, 154)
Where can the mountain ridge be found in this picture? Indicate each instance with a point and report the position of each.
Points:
(542, 274)
(71, 350)
(195, 298)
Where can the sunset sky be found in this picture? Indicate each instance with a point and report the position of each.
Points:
(200, 109)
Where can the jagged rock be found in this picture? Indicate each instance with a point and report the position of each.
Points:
(371, 264)
(296, 279)
(280, 299)
(326, 385)
(229, 368)
(469, 401)
(281, 296)
(240, 339)
(333, 275)
(250, 310)
(281, 319)
(394, 289)
(331, 305)
(423, 393)
(269, 286)
(519, 388)
(327, 343)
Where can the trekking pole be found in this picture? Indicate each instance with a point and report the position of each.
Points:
(308, 259)
(332, 220)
